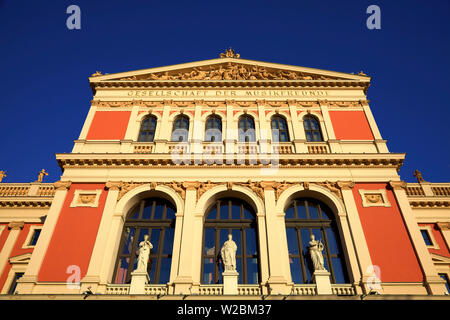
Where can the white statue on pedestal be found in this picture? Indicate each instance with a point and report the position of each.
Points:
(228, 253)
(315, 250)
(144, 252)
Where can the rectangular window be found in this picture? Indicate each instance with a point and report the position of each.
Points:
(17, 276)
(35, 237)
(426, 237)
(447, 282)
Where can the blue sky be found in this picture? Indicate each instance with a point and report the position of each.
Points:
(44, 67)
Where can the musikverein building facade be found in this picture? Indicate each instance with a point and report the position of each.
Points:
(188, 154)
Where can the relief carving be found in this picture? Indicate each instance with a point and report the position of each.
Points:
(374, 198)
(228, 71)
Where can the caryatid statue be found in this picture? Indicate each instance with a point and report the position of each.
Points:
(228, 253)
(315, 250)
(144, 253)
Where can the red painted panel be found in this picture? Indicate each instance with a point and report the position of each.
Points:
(109, 125)
(350, 125)
(443, 248)
(388, 240)
(4, 234)
(17, 248)
(73, 238)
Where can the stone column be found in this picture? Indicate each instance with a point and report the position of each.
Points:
(265, 138)
(165, 131)
(184, 279)
(445, 230)
(379, 142)
(15, 227)
(333, 143)
(94, 278)
(435, 285)
(27, 282)
(299, 137)
(78, 146)
(278, 281)
(197, 133)
(359, 240)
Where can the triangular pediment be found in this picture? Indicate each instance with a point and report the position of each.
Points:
(229, 69)
(23, 258)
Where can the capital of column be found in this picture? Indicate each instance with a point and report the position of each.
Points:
(62, 185)
(16, 225)
(444, 225)
(397, 185)
(345, 185)
(114, 185)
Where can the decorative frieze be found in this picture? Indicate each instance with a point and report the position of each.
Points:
(258, 161)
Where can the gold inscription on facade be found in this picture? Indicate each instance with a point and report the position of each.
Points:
(227, 93)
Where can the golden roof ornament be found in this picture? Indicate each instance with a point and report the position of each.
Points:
(361, 73)
(230, 53)
(96, 74)
(2, 175)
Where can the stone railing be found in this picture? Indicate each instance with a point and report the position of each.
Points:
(143, 147)
(249, 290)
(27, 190)
(179, 147)
(213, 148)
(427, 189)
(118, 289)
(317, 147)
(282, 148)
(343, 289)
(247, 147)
(14, 190)
(304, 290)
(414, 191)
(441, 191)
(154, 289)
(210, 290)
(46, 191)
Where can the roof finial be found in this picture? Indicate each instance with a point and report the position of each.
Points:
(230, 53)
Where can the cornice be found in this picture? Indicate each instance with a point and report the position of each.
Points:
(430, 202)
(26, 203)
(80, 160)
(235, 84)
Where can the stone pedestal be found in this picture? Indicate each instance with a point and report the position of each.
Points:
(138, 281)
(230, 282)
(322, 280)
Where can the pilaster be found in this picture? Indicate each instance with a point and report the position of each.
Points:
(93, 275)
(5, 253)
(26, 284)
(278, 281)
(359, 240)
(435, 285)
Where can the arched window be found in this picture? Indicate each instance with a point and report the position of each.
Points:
(213, 128)
(280, 131)
(156, 218)
(148, 128)
(312, 129)
(246, 127)
(306, 217)
(180, 130)
(235, 217)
